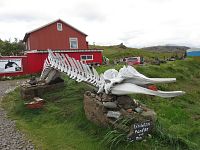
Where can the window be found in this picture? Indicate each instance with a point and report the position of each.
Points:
(86, 57)
(73, 43)
(59, 26)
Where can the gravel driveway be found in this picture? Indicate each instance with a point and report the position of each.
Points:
(10, 137)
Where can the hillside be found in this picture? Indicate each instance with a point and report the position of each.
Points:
(62, 123)
(115, 52)
(166, 48)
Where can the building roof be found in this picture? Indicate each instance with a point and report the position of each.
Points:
(28, 33)
(63, 51)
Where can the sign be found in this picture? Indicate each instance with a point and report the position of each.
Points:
(140, 130)
(10, 65)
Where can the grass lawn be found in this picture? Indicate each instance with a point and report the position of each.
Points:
(62, 123)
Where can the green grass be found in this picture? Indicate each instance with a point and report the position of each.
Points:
(4, 78)
(62, 124)
(179, 117)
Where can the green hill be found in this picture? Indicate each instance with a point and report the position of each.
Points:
(166, 48)
(115, 52)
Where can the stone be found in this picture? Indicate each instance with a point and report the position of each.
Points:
(138, 110)
(93, 95)
(53, 74)
(95, 111)
(129, 110)
(29, 92)
(33, 81)
(149, 114)
(107, 98)
(124, 112)
(110, 105)
(121, 45)
(88, 93)
(98, 98)
(126, 102)
(113, 114)
(107, 114)
(56, 80)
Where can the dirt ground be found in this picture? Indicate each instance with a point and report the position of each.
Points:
(10, 137)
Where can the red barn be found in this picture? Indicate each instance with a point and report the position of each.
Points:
(58, 36)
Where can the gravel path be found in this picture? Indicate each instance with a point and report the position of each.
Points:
(10, 137)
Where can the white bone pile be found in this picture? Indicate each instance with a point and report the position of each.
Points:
(127, 81)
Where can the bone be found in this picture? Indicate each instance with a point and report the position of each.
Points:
(127, 81)
(128, 88)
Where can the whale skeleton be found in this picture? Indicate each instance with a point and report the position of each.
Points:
(125, 81)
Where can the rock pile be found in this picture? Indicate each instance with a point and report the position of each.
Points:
(33, 88)
(121, 45)
(106, 110)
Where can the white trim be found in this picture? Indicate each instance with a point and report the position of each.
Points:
(29, 47)
(73, 39)
(63, 51)
(86, 57)
(26, 44)
(59, 25)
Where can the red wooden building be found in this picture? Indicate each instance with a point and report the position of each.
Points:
(55, 35)
(58, 36)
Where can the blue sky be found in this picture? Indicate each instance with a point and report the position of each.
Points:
(136, 23)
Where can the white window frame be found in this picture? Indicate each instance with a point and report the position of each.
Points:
(59, 27)
(86, 57)
(73, 39)
(26, 43)
(29, 47)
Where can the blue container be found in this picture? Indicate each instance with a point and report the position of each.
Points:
(193, 52)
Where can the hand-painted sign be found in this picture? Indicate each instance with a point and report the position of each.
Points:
(140, 130)
(10, 65)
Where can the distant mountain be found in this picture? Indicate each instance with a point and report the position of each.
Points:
(166, 48)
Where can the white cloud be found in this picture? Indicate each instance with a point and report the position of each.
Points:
(137, 23)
